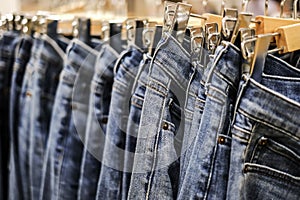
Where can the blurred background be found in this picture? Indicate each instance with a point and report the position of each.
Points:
(141, 8)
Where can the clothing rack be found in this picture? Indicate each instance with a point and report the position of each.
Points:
(181, 106)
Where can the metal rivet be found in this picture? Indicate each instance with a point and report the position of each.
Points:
(263, 141)
(104, 121)
(165, 126)
(245, 169)
(221, 140)
(28, 94)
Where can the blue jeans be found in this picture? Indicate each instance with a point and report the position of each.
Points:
(110, 180)
(135, 111)
(23, 53)
(156, 162)
(25, 103)
(264, 161)
(193, 110)
(61, 170)
(207, 172)
(47, 70)
(8, 43)
(97, 121)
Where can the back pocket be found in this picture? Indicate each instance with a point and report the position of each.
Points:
(278, 157)
(272, 173)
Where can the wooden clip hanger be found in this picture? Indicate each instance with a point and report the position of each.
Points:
(287, 38)
(266, 24)
(287, 41)
(270, 24)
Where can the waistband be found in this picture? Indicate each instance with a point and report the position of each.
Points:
(228, 63)
(129, 58)
(51, 51)
(8, 43)
(142, 76)
(269, 107)
(106, 59)
(172, 58)
(278, 68)
(81, 56)
(24, 48)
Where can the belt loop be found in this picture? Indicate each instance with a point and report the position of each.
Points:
(118, 62)
(243, 84)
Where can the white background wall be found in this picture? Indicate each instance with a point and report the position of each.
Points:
(8, 6)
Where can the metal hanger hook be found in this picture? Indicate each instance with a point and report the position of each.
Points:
(282, 3)
(266, 7)
(295, 9)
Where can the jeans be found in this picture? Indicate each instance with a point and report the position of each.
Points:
(8, 44)
(265, 152)
(61, 170)
(156, 162)
(100, 99)
(110, 180)
(47, 70)
(23, 53)
(193, 110)
(25, 103)
(207, 172)
(135, 111)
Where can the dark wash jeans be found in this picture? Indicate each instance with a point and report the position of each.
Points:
(207, 171)
(23, 53)
(8, 44)
(265, 152)
(135, 111)
(156, 162)
(24, 109)
(47, 69)
(99, 104)
(110, 180)
(61, 170)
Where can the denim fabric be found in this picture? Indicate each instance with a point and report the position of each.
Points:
(156, 162)
(189, 136)
(135, 111)
(207, 172)
(61, 170)
(8, 43)
(24, 118)
(265, 152)
(23, 53)
(110, 180)
(194, 103)
(47, 70)
(97, 121)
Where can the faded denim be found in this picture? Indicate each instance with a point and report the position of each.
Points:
(265, 152)
(207, 172)
(61, 170)
(110, 180)
(25, 107)
(137, 101)
(47, 69)
(23, 53)
(100, 99)
(156, 162)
